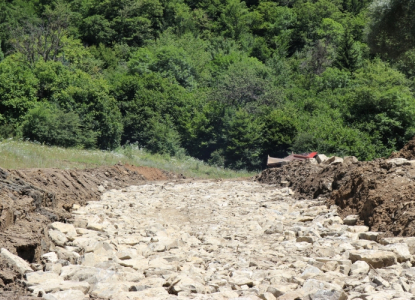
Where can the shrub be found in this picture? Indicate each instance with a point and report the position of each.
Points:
(55, 127)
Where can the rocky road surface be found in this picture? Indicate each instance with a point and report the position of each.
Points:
(216, 240)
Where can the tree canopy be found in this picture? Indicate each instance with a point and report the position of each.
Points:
(226, 81)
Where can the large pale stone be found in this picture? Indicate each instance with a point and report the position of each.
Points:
(91, 275)
(70, 256)
(86, 243)
(339, 265)
(348, 160)
(67, 229)
(279, 290)
(19, 263)
(96, 226)
(127, 254)
(55, 285)
(369, 236)
(66, 295)
(410, 241)
(276, 227)
(359, 267)
(377, 259)
(188, 284)
(399, 161)
(292, 295)
(75, 285)
(150, 293)
(307, 239)
(334, 160)
(136, 264)
(91, 259)
(109, 290)
(50, 257)
(39, 277)
(160, 263)
(358, 229)
(310, 272)
(321, 158)
(401, 250)
(351, 220)
(312, 286)
(57, 237)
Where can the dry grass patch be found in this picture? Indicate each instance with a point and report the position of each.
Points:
(22, 154)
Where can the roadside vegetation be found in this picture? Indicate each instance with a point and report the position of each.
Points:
(227, 82)
(24, 154)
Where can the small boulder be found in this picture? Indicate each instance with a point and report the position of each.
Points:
(310, 272)
(19, 263)
(67, 229)
(377, 259)
(57, 237)
(321, 158)
(401, 250)
(359, 267)
(277, 227)
(65, 295)
(351, 220)
(348, 160)
(369, 235)
(334, 160)
(35, 278)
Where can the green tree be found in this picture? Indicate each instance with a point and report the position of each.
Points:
(310, 15)
(280, 130)
(43, 39)
(151, 97)
(162, 137)
(391, 29)
(96, 29)
(381, 103)
(235, 19)
(88, 97)
(18, 90)
(348, 54)
(169, 61)
(244, 141)
(55, 127)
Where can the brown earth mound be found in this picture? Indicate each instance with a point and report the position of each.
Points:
(408, 151)
(33, 198)
(381, 192)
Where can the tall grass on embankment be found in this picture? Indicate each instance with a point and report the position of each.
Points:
(22, 154)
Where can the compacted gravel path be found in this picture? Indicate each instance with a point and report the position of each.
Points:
(217, 240)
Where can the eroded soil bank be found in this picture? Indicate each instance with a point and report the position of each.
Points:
(381, 192)
(33, 198)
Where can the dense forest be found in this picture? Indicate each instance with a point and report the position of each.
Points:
(226, 81)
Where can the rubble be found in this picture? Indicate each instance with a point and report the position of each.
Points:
(33, 199)
(378, 194)
(218, 240)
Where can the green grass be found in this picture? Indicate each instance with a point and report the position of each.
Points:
(20, 155)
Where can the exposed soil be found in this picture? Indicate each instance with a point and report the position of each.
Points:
(381, 192)
(408, 151)
(33, 198)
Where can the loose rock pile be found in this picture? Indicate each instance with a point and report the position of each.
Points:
(381, 192)
(217, 240)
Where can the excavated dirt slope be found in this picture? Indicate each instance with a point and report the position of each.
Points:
(408, 151)
(381, 192)
(33, 198)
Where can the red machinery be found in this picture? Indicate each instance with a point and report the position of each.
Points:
(278, 162)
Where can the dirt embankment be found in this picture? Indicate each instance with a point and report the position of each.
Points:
(381, 192)
(408, 151)
(32, 198)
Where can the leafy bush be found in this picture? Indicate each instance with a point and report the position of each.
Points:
(55, 127)
(162, 137)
